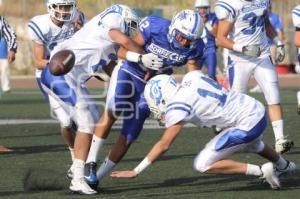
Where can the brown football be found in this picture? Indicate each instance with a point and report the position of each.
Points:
(62, 62)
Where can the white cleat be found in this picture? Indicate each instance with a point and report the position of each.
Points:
(81, 187)
(70, 173)
(283, 145)
(270, 176)
(289, 169)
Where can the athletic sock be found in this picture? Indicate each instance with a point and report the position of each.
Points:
(253, 170)
(94, 149)
(105, 168)
(278, 129)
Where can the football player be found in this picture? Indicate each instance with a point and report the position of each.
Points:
(203, 102)
(296, 22)
(46, 31)
(247, 25)
(176, 42)
(210, 21)
(95, 48)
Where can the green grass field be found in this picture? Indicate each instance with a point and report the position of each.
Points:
(40, 149)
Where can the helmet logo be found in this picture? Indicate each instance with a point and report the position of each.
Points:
(155, 91)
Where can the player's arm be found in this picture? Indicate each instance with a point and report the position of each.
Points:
(150, 60)
(297, 37)
(224, 28)
(191, 65)
(38, 55)
(157, 150)
(271, 32)
(138, 40)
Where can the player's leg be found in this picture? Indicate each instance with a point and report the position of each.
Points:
(211, 63)
(266, 76)
(65, 124)
(5, 75)
(109, 116)
(132, 126)
(69, 92)
(239, 74)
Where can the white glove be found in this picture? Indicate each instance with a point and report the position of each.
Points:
(151, 61)
(250, 50)
(280, 53)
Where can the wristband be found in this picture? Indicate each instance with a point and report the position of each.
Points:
(133, 56)
(237, 47)
(142, 166)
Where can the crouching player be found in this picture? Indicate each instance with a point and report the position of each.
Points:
(203, 102)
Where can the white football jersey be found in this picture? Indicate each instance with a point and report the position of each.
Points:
(203, 102)
(296, 16)
(43, 31)
(249, 26)
(92, 44)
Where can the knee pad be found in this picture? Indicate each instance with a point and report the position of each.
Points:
(84, 119)
(271, 92)
(63, 118)
(200, 164)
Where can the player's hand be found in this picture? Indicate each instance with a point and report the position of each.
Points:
(151, 61)
(251, 50)
(11, 56)
(280, 53)
(124, 174)
(78, 22)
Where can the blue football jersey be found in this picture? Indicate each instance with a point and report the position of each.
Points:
(155, 30)
(208, 38)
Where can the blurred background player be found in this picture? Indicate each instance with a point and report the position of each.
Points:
(203, 102)
(250, 55)
(296, 23)
(95, 47)
(46, 31)
(210, 21)
(177, 42)
(276, 22)
(8, 49)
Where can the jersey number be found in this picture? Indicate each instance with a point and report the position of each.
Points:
(204, 93)
(254, 22)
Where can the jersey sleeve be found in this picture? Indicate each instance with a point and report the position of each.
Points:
(112, 21)
(224, 11)
(37, 28)
(296, 16)
(144, 28)
(198, 51)
(177, 112)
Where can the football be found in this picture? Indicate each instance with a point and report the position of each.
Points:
(62, 62)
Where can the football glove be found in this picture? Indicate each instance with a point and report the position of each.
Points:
(280, 53)
(151, 61)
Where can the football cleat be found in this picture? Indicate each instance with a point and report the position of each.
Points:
(283, 145)
(298, 109)
(70, 173)
(269, 175)
(91, 176)
(289, 169)
(81, 187)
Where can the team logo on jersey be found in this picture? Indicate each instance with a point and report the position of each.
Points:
(254, 6)
(155, 91)
(155, 49)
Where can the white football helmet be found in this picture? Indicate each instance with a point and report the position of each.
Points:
(202, 3)
(130, 17)
(158, 91)
(189, 25)
(56, 9)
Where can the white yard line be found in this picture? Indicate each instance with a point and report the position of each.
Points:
(149, 124)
